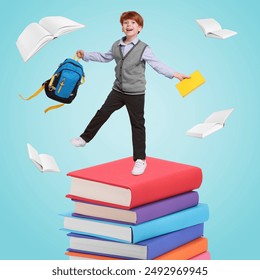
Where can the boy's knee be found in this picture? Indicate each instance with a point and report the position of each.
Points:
(103, 113)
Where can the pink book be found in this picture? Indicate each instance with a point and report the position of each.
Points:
(202, 256)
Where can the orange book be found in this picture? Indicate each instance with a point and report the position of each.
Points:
(184, 252)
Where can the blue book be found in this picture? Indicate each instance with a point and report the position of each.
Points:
(136, 233)
(144, 250)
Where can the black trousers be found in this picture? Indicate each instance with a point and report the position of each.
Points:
(135, 108)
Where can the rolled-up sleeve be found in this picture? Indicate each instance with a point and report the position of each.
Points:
(156, 64)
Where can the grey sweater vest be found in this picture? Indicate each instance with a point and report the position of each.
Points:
(129, 70)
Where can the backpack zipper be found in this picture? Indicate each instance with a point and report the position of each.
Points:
(61, 85)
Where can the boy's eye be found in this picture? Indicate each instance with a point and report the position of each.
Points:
(126, 22)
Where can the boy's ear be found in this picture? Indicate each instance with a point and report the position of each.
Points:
(139, 28)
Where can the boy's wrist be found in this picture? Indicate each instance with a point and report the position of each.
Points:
(180, 76)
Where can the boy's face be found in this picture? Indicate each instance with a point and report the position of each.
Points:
(131, 28)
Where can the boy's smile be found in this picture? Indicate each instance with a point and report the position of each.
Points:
(131, 29)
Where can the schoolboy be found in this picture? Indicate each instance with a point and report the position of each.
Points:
(130, 55)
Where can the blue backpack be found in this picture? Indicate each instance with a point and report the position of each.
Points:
(64, 83)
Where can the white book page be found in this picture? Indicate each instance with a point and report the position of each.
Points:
(208, 25)
(80, 258)
(49, 163)
(201, 128)
(58, 25)
(32, 39)
(219, 117)
(204, 129)
(224, 33)
(100, 191)
(34, 156)
(118, 231)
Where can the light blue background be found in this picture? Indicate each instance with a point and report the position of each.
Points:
(31, 201)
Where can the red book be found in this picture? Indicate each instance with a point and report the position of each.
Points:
(113, 184)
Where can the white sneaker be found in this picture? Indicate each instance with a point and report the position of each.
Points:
(78, 142)
(139, 167)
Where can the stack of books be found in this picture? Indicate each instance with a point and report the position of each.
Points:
(156, 215)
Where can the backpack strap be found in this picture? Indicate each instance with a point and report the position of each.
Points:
(83, 79)
(53, 107)
(51, 87)
(76, 57)
(35, 94)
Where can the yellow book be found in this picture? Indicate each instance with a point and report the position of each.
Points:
(188, 85)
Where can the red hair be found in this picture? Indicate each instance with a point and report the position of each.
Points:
(132, 15)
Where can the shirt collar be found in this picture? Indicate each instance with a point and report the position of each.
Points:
(134, 42)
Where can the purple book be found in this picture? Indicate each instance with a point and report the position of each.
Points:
(139, 214)
(146, 250)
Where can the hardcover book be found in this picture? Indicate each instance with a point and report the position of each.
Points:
(139, 214)
(112, 183)
(184, 252)
(146, 250)
(136, 233)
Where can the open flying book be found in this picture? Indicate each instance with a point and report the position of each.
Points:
(43, 162)
(212, 28)
(213, 123)
(36, 35)
(188, 85)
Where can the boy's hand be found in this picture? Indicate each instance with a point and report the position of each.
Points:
(180, 76)
(80, 53)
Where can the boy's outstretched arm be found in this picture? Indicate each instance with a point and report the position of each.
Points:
(180, 76)
(95, 56)
(161, 67)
